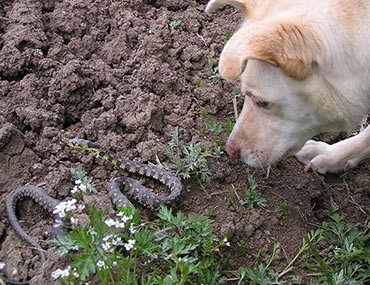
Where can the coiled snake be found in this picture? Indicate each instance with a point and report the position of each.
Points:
(131, 186)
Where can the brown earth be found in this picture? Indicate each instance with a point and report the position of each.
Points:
(116, 73)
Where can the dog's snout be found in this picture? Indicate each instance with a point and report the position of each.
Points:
(232, 149)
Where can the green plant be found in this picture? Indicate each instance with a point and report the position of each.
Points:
(175, 250)
(227, 37)
(175, 24)
(198, 82)
(213, 126)
(215, 76)
(82, 183)
(252, 196)
(229, 125)
(337, 251)
(285, 208)
(156, 30)
(189, 160)
(261, 274)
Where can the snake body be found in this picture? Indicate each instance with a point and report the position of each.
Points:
(131, 186)
(40, 197)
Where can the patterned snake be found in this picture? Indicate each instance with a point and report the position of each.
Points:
(132, 187)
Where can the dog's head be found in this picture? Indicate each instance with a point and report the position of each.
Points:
(278, 55)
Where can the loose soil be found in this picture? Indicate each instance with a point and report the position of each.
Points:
(115, 72)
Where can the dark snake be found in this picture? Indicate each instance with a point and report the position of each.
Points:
(131, 186)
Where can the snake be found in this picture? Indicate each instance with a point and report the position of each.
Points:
(132, 187)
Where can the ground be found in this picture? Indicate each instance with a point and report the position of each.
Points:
(126, 73)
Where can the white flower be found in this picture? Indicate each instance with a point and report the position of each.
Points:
(81, 207)
(79, 181)
(107, 237)
(130, 244)
(124, 218)
(116, 241)
(131, 229)
(101, 264)
(110, 222)
(58, 223)
(64, 207)
(83, 187)
(74, 190)
(2, 265)
(59, 273)
(227, 243)
(74, 221)
(15, 271)
(75, 274)
(106, 246)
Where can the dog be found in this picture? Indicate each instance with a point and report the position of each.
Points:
(304, 68)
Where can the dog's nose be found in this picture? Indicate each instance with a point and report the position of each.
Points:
(232, 149)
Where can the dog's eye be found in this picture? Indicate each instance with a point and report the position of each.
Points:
(263, 104)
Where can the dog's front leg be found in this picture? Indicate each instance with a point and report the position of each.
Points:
(341, 156)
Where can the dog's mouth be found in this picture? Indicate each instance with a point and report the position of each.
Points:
(260, 159)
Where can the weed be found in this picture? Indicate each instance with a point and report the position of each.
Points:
(72, 36)
(175, 24)
(82, 183)
(156, 30)
(229, 125)
(252, 196)
(215, 76)
(213, 126)
(227, 37)
(189, 160)
(198, 82)
(120, 251)
(345, 261)
(261, 274)
(204, 113)
(285, 208)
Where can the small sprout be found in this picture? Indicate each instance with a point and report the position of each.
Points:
(229, 125)
(215, 76)
(227, 37)
(252, 196)
(285, 208)
(213, 126)
(156, 30)
(198, 82)
(204, 113)
(175, 24)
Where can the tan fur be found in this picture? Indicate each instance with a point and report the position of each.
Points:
(304, 67)
(288, 45)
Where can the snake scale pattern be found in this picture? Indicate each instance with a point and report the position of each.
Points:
(131, 186)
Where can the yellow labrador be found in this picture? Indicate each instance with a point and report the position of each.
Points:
(304, 68)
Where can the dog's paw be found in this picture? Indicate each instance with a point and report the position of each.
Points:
(323, 158)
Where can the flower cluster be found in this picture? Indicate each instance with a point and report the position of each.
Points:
(110, 242)
(130, 244)
(65, 210)
(61, 273)
(64, 273)
(119, 223)
(63, 207)
(79, 187)
(83, 183)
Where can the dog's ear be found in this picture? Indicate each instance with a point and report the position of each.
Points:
(291, 46)
(244, 5)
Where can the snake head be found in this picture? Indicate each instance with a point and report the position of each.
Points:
(78, 143)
